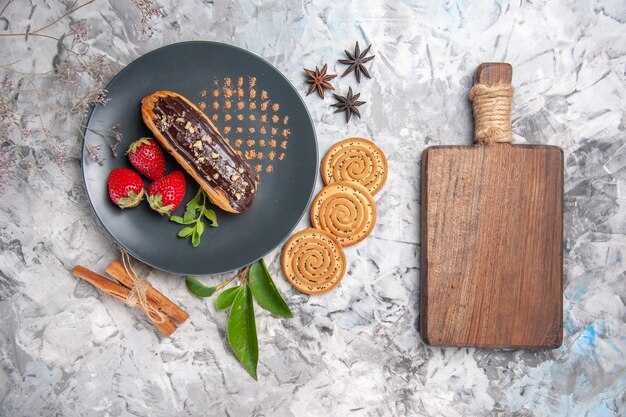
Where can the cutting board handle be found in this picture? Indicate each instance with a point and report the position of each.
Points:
(491, 73)
(491, 96)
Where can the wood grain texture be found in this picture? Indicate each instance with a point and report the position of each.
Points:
(490, 73)
(492, 242)
(492, 246)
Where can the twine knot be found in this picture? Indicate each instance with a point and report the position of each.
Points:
(137, 296)
(492, 112)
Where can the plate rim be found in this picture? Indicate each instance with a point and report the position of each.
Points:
(112, 82)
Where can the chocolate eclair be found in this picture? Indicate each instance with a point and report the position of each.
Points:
(188, 134)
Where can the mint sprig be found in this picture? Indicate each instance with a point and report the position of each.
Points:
(195, 211)
(255, 283)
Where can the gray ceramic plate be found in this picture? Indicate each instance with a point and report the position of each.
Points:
(265, 108)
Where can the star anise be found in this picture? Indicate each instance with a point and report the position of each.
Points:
(319, 80)
(356, 61)
(348, 104)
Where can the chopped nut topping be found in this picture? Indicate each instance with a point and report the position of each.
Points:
(215, 155)
(198, 144)
(207, 138)
(216, 175)
(191, 130)
(245, 184)
(188, 125)
(201, 159)
(180, 120)
(238, 196)
(235, 177)
(240, 170)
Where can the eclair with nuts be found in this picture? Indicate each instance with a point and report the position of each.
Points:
(188, 134)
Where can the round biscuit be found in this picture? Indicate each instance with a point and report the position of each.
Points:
(313, 261)
(346, 210)
(355, 159)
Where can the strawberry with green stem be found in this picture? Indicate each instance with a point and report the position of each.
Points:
(126, 188)
(195, 211)
(166, 193)
(147, 158)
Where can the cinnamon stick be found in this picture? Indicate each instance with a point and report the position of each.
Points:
(116, 270)
(166, 328)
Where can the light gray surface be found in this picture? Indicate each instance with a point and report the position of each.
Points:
(66, 349)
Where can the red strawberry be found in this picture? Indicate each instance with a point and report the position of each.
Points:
(166, 194)
(147, 158)
(125, 187)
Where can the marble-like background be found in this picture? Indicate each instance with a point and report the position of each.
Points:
(67, 350)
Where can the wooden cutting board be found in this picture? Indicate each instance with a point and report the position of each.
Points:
(492, 241)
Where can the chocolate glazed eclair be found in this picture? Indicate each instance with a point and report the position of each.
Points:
(188, 134)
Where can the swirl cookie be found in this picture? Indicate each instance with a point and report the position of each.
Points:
(346, 210)
(313, 261)
(355, 159)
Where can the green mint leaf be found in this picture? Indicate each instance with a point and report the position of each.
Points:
(265, 292)
(200, 228)
(211, 217)
(226, 298)
(186, 231)
(190, 214)
(199, 289)
(180, 220)
(194, 211)
(195, 237)
(195, 202)
(242, 331)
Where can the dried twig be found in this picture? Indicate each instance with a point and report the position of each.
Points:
(149, 12)
(78, 81)
(36, 31)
